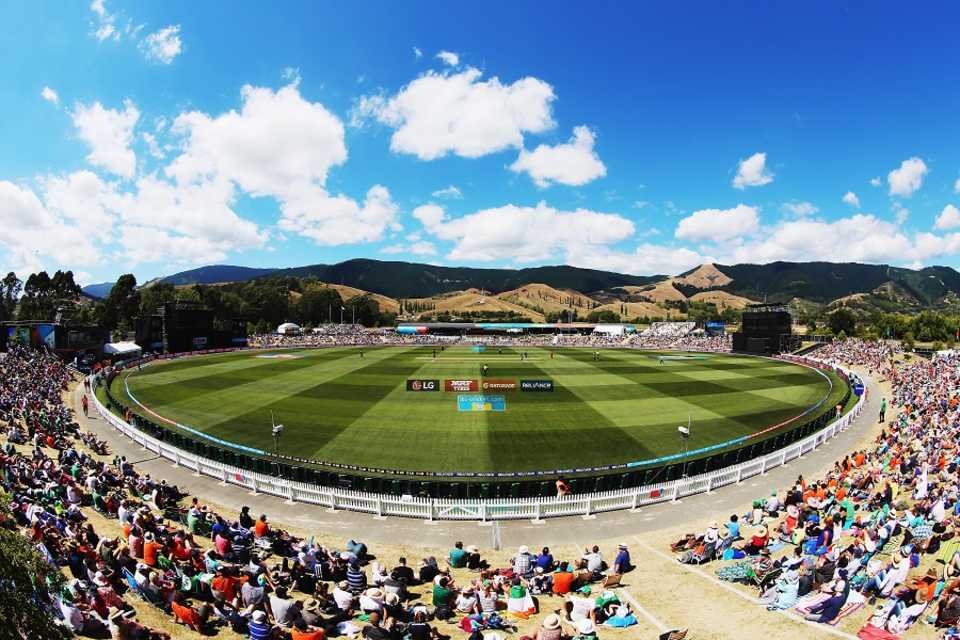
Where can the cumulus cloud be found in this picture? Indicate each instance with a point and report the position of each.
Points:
(752, 172)
(908, 178)
(450, 191)
(33, 233)
(646, 259)
(50, 95)
(956, 186)
(442, 113)
(875, 182)
(164, 45)
(109, 134)
(422, 248)
(449, 58)
(900, 213)
(718, 225)
(573, 163)
(523, 234)
(800, 208)
(949, 218)
(153, 146)
(851, 199)
(306, 141)
(859, 238)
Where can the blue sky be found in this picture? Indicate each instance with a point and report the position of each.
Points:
(154, 137)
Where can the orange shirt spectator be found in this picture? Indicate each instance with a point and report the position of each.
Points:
(150, 551)
(261, 528)
(187, 615)
(316, 634)
(562, 582)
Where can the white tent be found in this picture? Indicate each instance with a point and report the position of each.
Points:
(125, 349)
(289, 329)
(610, 329)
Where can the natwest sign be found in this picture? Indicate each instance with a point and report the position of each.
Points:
(493, 384)
(460, 385)
(423, 385)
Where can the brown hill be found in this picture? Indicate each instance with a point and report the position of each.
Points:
(471, 300)
(706, 276)
(547, 298)
(630, 310)
(722, 299)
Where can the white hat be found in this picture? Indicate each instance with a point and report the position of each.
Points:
(585, 625)
(523, 549)
(100, 579)
(259, 616)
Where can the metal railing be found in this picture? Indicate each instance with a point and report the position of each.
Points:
(478, 509)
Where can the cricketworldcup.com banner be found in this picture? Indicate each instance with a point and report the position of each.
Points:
(481, 402)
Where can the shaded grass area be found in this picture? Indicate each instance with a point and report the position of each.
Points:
(339, 406)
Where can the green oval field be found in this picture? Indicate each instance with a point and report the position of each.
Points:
(339, 406)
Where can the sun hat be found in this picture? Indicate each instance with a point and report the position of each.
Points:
(374, 594)
(391, 598)
(622, 545)
(585, 626)
(148, 536)
(259, 616)
(552, 621)
(473, 549)
(714, 525)
(311, 605)
(523, 549)
(343, 584)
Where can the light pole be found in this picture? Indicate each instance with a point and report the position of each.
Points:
(275, 431)
(342, 309)
(685, 437)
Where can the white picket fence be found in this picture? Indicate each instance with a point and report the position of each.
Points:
(481, 509)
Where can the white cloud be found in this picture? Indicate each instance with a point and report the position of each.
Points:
(163, 45)
(949, 218)
(429, 215)
(859, 238)
(908, 178)
(104, 27)
(851, 199)
(50, 95)
(417, 53)
(800, 208)
(718, 225)
(336, 220)
(449, 58)
(291, 75)
(901, 213)
(422, 248)
(36, 233)
(109, 134)
(752, 172)
(451, 192)
(306, 141)
(152, 145)
(524, 234)
(85, 200)
(647, 259)
(875, 182)
(640, 204)
(956, 186)
(573, 163)
(441, 113)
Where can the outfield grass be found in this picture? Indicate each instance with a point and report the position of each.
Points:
(339, 407)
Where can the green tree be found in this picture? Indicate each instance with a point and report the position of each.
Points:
(122, 305)
(318, 304)
(10, 288)
(364, 308)
(842, 321)
(603, 316)
(26, 579)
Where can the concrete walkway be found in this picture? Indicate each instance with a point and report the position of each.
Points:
(556, 531)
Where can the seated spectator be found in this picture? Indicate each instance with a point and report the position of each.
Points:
(621, 564)
(259, 627)
(457, 558)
